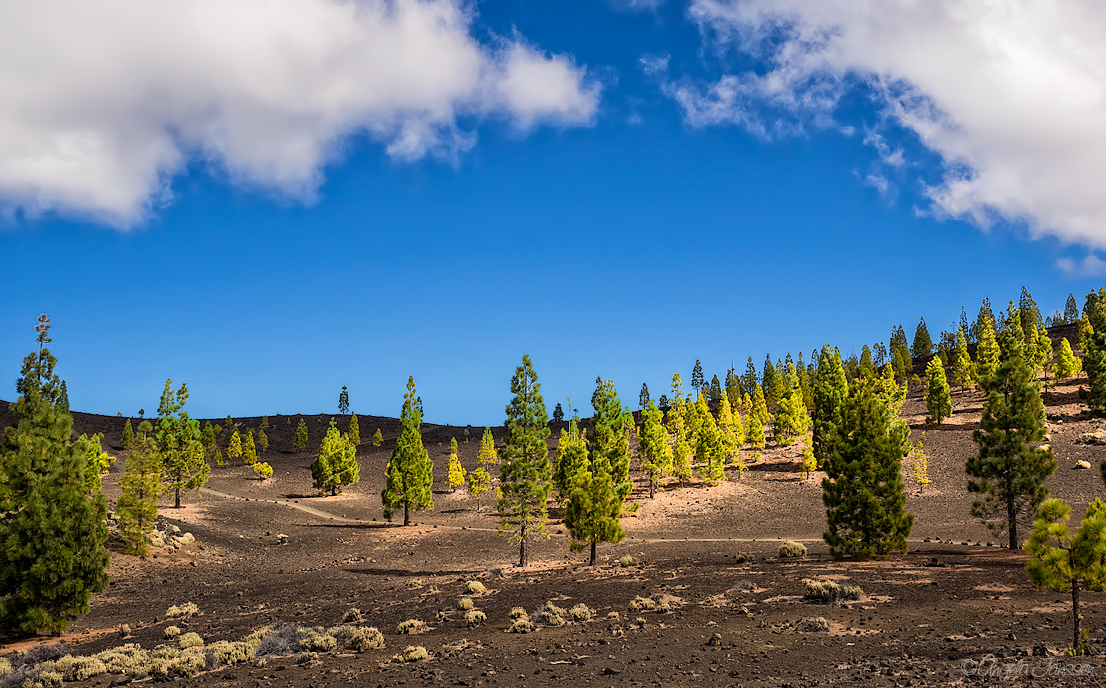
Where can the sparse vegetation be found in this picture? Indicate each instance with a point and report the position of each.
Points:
(410, 627)
(475, 587)
(792, 550)
(829, 592)
(475, 617)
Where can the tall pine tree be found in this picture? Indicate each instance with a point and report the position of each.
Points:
(938, 399)
(923, 343)
(656, 455)
(140, 485)
(52, 528)
(526, 476)
(179, 442)
(455, 472)
(410, 472)
(962, 362)
(987, 353)
(830, 391)
(1009, 473)
(336, 465)
(300, 443)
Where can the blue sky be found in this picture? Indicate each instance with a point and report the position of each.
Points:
(658, 182)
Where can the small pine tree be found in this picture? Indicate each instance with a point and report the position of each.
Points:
(987, 353)
(354, 431)
(938, 399)
(526, 477)
(682, 450)
(809, 463)
(1068, 564)
(343, 401)
(558, 413)
(456, 471)
(378, 438)
(1010, 472)
(262, 442)
(249, 449)
(642, 397)
(755, 434)
(486, 459)
(863, 490)
(572, 457)
(710, 452)
(923, 343)
(1067, 364)
(921, 466)
(234, 449)
(410, 472)
(962, 363)
(336, 465)
(1071, 310)
(140, 485)
(263, 470)
(656, 455)
(792, 418)
(733, 434)
(128, 435)
(300, 442)
(697, 376)
(180, 444)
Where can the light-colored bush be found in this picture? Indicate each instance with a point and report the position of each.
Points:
(190, 640)
(124, 630)
(643, 604)
(613, 616)
(475, 587)
(828, 592)
(580, 613)
(626, 560)
(413, 653)
(522, 625)
(517, 613)
(475, 617)
(792, 550)
(319, 642)
(125, 659)
(550, 614)
(813, 624)
(364, 638)
(226, 652)
(465, 604)
(352, 615)
(188, 609)
(5, 666)
(410, 627)
(172, 632)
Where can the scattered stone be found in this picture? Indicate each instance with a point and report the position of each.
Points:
(1082, 464)
(1096, 437)
(715, 640)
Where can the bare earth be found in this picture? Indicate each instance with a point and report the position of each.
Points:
(956, 596)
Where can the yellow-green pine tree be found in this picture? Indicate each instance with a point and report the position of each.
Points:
(249, 449)
(710, 452)
(300, 443)
(378, 438)
(456, 477)
(262, 441)
(1067, 364)
(921, 465)
(656, 455)
(987, 353)
(354, 431)
(962, 362)
(682, 450)
(938, 400)
(234, 450)
(733, 434)
(809, 463)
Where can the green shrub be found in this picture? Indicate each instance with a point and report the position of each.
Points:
(465, 604)
(172, 632)
(626, 560)
(829, 592)
(413, 653)
(318, 642)
(643, 604)
(475, 617)
(410, 627)
(550, 614)
(813, 624)
(189, 609)
(517, 613)
(475, 587)
(190, 640)
(364, 638)
(580, 613)
(792, 550)
(522, 625)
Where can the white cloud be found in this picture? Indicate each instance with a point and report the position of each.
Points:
(1011, 95)
(102, 103)
(637, 5)
(1090, 266)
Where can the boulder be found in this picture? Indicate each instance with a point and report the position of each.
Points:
(1095, 437)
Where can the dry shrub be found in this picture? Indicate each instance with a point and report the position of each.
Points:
(581, 613)
(410, 627)
(475, 587)
(829, 592)
(813, 624)
(792, 550)
(475, 617)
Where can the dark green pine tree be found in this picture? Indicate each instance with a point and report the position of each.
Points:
(898, 340)
(527, 474)
(1010, 473)
(1094, 351)
(52, 529)
(599, 490)
(300, 443)
(863, 489)
(768, 384)
(938, 398)
(696, 376)
(1029, 313)
(985, 315)
(1071, 311)
(643, 396)
(714, 394)
(750, 379)
(830, 391)
(733, 388)
(180, 444)
(559, 413)
(128, 435)
(923, 343)
(343, 400)
(410, 472)
(867, 368)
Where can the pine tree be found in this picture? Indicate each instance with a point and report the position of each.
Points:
(962, 363)
(480, 478)
(1029, 313)
(714, 396)
(867, 368)
(733, 434)
(1044, 352)
(300, 443)
(1068, 564)
(572, 457)
(378, 437)
(1067, 364)
(733, 388)
(863, 490)
(234, 448)
(985, 315)
(52, 527)
(900, 364)
(898, 340)
(526, 477)
(755, 435)
(920, 466)
(923, 343)
(262, 442)
(830, 391)
(768, 384)
(559, 413)
(792, 418)
(140, 485)
(455, 472)
(987, 353)
(1093, 345)
(343, 401)
(410, 472)
(938, 399)
(249, 449)
(809, 463)
(697, 376)
(656, 455)
(1071, 311)
(710, 452)
(643, 396)
(336, 465)
(599, 490)
(354, 431)
(1010, 472)
(681, 448)
(183, 466)
(750, 379)
(128, 435)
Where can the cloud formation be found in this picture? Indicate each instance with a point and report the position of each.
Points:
(102, 103)
(1012, 96)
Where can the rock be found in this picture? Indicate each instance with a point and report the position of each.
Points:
(1096, 437)
(1082, 464)
(611, 672)
(715, 640)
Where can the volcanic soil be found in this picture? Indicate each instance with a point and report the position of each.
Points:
(711, 552)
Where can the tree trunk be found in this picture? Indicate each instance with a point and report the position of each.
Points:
(406, 515)
(522, 553)
(652, 486)
(1076, 639)
(592, 562)
(176, 505)
(1011, 517)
